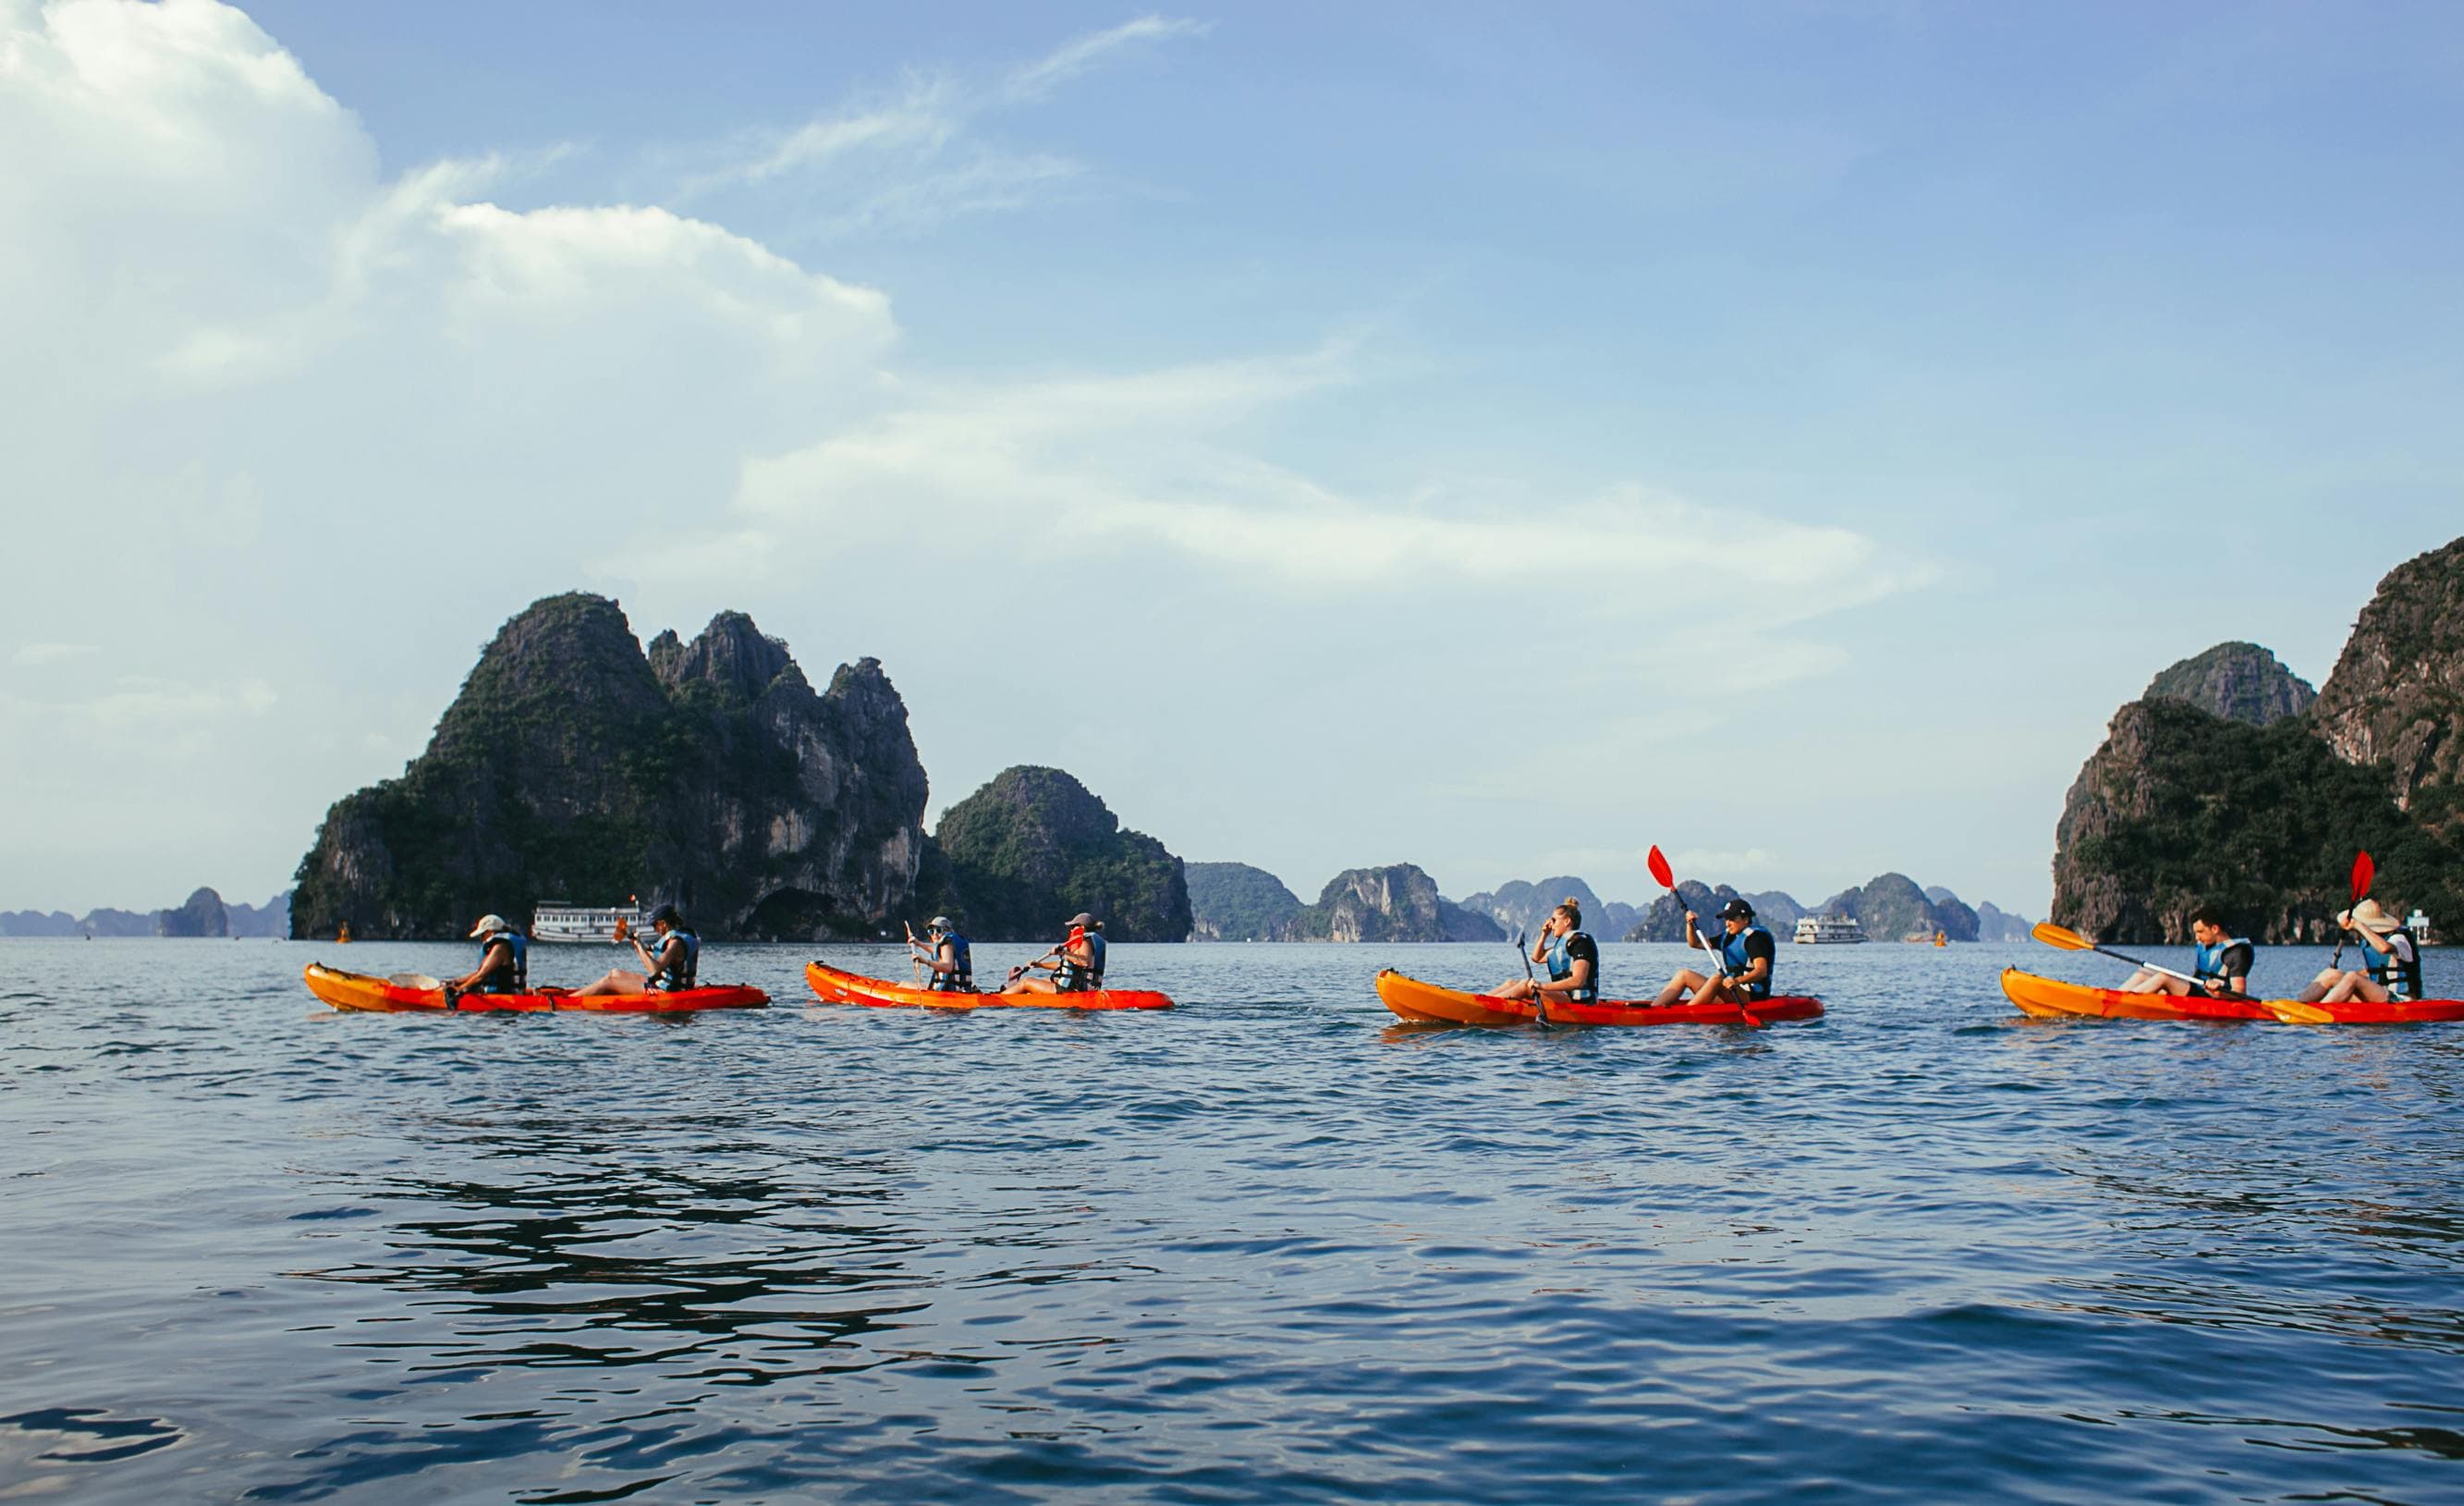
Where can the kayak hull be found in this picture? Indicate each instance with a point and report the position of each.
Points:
(2048, 999)
(837, 986)
(362, 994)
(1418, 1003)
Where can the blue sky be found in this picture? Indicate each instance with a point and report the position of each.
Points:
(1495, 440)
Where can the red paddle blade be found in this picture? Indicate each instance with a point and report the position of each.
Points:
(2364, 871)
(1659, 870)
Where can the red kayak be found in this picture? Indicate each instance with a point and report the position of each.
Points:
(361, 991)
(1418, 1002)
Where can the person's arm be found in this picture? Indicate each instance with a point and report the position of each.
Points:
(1693, 938)
(1758, 964)
(946, 959)
(1578, 976)
(2371, 940)
(2236, 967)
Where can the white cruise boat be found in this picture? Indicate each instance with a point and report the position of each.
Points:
(557, 920)
(1828, 930)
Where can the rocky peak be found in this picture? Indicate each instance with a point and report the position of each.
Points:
(1017, 858)
(1397, 903)
(2240, 681)
(203, 914)
(2396, 696)
(731, 655)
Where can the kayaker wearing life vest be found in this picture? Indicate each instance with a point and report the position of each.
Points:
(2392, 969)
(2221, 963)
(1747, 956)
(504, 960)
(671, 967)
(950, 963)
(1076, 965)
(1570, 956)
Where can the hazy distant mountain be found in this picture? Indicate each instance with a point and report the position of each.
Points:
(1518, 906)
(1996, 926)
(34, 922)
(270, 918)
(1235, 902)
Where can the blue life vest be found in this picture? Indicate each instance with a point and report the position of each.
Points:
(499, 982)
(2400, 975)
(1561, 966)
(1733, 952)
(963, 981)
(1074, 979)
(2207, 962)
(687, 968)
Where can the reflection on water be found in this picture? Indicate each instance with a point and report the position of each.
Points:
(1271, 1246)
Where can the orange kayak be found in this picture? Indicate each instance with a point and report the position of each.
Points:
(2049, 1000)
(1418, 1003)
(361, 991)
(835, 985)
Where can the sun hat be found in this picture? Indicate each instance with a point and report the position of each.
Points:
(488, 923)
(2369, 914)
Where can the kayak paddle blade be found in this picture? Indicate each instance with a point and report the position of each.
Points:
(2293, 1011)
(1661, 873)
(2363, 871)
(2052, 935)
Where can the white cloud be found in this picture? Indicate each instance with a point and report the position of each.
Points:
(52, 652)
(912, 157)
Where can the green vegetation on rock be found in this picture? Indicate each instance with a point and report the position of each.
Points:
(1890, 907)
(1017, 858)
(2182, 808)
(1397, 903)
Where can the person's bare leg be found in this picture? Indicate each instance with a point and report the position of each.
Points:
(2173, 985)
(1688, 981)
(620, 981)
(2142, 981)
(1032, 985)
(1513, 988)
(2327, 979)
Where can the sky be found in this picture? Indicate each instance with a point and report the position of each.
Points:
(1496, 437)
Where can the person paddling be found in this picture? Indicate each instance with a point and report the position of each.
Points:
(504, 961)
(946, 955)
(672, 966)
(1747, 956)
(1569, 954)
(1076, 965)
(2393, 974)
(2221, 963)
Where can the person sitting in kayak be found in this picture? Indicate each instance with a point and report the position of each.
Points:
(950, 960)
(1569, 954)
(1747, 955)
(2390, 976)
(671, 967)
(504, 961)
(2221, 963)
(1076, 965)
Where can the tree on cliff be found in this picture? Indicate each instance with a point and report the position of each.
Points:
(1017, 858)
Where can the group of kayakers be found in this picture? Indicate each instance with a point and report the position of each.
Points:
(2390, 958)
(1742, 958)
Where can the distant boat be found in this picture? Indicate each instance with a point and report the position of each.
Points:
(1942, 939)
(2419, 925)
(1829, 930)
(555, 920)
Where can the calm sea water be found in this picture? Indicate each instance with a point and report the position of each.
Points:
(1264, 1248)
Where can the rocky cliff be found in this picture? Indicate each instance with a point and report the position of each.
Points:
(2396, 697)
(1664, 920)
(1016, 859)
(1235, 902)
(1994, 924)
(574, 766)
(201, 915)
(1519, 906)
(2181, 808)
(2239, 682)
(1397, 903)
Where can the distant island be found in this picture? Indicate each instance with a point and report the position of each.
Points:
(203, 913)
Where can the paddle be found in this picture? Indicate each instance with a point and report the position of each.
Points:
(1667, 879)
(2069, 940)
(2364, 871)
(1539, 1000)
(1020, 971)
